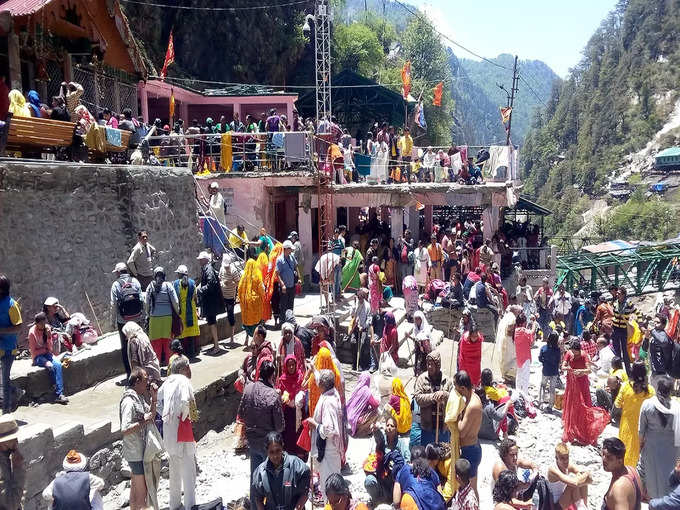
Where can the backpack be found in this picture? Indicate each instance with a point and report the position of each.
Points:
(674, 371)
(129, 302)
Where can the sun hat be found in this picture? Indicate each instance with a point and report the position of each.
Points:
(158, 269)
(204, 255)
(182, 269)
(9, 430)
(51, 301)
(74, 461)
(287, 245)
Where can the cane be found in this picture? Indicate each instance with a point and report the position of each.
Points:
(358, 348)
(436, 430)
(94, 314)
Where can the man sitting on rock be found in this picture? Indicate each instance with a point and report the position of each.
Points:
(75, 487)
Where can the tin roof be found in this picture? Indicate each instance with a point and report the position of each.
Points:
(670, 151)
(23, 7)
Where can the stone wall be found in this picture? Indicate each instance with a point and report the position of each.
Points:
(63, 226)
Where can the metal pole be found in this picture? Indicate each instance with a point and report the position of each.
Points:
(322, 59)
(515, 79)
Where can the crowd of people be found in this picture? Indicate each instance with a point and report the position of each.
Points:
(601, 362)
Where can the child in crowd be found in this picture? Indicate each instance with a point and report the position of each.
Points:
(465, 497)
(618, 370)
(549, 356)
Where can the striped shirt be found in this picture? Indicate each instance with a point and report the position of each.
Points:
(622, 313)
(229, 278)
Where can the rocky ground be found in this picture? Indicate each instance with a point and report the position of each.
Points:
(226, 475)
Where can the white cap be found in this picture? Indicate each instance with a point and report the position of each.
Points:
(120, 266)
(158, 269)
(214, 185)
(182, 269)
(287, 245)
(50, 301)
(204, 255)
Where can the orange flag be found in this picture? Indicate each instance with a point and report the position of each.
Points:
(406, 78)
(438, 90)
(172, 105)
(169, 57)
(505, 114)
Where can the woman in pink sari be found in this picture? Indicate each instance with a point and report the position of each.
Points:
(362, 408)
(374, 288)
(410, 289)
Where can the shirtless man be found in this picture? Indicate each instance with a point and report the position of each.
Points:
(568, 482)
(509, 459)
(624, 490)
(468, 425)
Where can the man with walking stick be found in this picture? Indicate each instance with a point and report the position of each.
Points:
(431, 393)
(361, 333)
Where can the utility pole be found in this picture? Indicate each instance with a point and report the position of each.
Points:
(515, 81)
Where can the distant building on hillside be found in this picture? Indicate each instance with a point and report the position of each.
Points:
(668, 159)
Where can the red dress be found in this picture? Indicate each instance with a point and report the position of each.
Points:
(581, 422)
(470, 357)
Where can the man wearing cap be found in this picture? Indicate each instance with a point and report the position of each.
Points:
(286, 267)
(10, 325)
(126, 295)
(141, 259)
(210, 297)
(12, 472)
(299, 255)
(74, 487)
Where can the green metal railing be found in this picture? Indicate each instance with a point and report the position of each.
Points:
(641, 269)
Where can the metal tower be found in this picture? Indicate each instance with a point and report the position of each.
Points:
(322, 58)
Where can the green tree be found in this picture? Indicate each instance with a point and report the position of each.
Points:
(358, 49)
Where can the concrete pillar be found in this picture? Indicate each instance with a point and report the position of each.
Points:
(553, 265)
(414, 223)
(238, 108)
(14, 61)
(305, 232)
(428, 218)
(144, 101)
(68, 67)
(184, 113)
(396, 222)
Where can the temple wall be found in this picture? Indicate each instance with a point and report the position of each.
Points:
(63, 227)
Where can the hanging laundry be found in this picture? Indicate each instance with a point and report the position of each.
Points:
(226, 157)
(294, 147)
(113, 136)
(498, 166)
(456, 163)
(277, 140)
(363, 163)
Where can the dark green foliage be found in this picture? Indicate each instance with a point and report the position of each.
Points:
(613, 102)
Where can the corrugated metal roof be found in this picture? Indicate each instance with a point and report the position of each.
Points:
(23, 7)
(671, 151)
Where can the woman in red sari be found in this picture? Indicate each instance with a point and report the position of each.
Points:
(470, 354)
(581, 421)
(390, 338)
(290, 384)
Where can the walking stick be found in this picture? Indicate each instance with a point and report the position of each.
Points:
(436, 430)
(358, 349)
(93, 314)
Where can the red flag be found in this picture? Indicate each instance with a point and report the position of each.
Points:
(406, 78)
(172, 105)
(169, 57)
(438, 90)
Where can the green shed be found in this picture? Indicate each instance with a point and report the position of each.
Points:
(668, 159)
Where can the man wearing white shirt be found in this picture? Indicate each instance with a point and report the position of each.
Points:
(604, 357)
(561, 302)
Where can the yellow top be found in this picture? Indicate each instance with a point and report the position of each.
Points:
(495, 394)
(630, 403)
(194, 330)
(236, 241)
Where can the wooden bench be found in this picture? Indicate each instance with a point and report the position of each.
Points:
(124, 142)
(32, 134)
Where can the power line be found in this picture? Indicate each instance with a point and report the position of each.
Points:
(419, 16)
(230, 9)
(231, 84)
(533, 91)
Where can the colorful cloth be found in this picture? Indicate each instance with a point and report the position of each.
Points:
(251, 294)
(226, 157)
(470, 356)
(403, 416)
(390, 338)
(17, 104)
(113, 136)
(374, 292)
(323, 361)
(350, 271)
(270, 279)
(187, 309)
(363, 163)
(359, 402)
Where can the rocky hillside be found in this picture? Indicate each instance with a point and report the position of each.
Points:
(608, 110)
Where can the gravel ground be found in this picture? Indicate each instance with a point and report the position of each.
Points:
(226, 475)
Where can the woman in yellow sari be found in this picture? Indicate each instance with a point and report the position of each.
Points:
(323, 361)
(400, 406)
(270, 278)
(251, 295)
(630, 398)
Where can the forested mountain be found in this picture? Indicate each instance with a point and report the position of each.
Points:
(534, 88)
(612, 103)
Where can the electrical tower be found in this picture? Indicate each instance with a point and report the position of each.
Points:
(322, 58)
